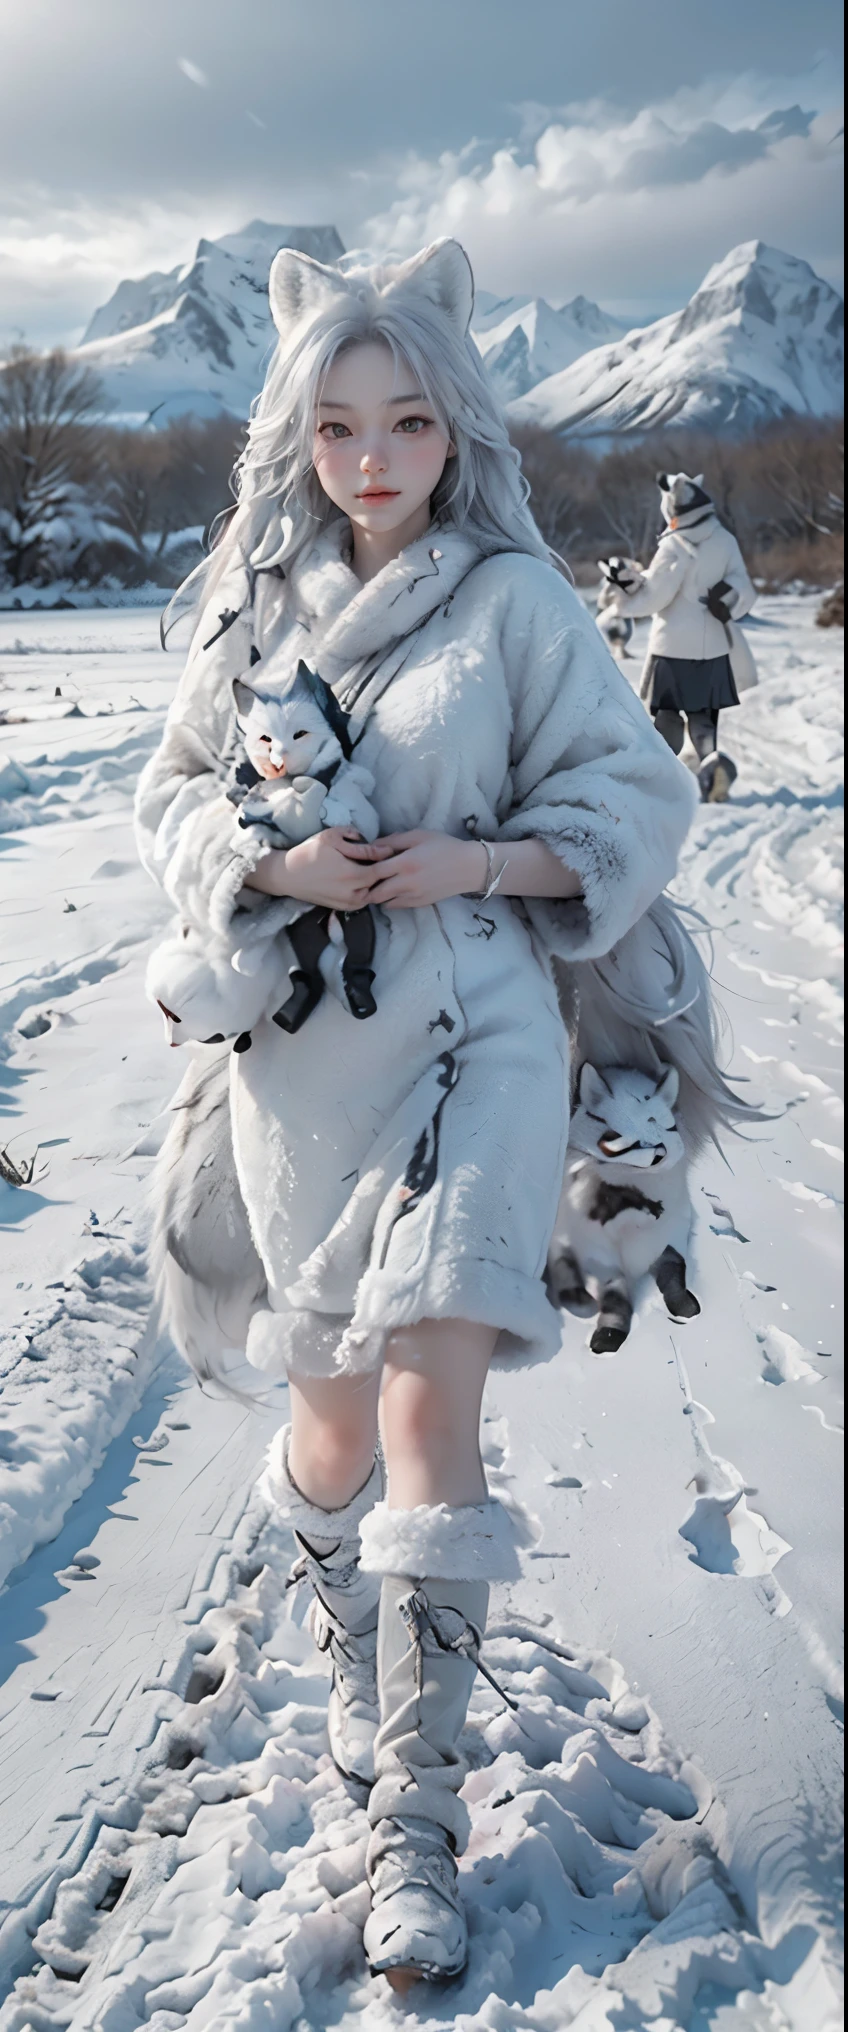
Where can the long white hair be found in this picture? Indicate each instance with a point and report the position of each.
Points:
(420, 310)
(651, 1005)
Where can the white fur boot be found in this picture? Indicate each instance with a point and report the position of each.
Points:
(436, 1565)
(343, 1615)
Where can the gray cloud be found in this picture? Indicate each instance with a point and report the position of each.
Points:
(114, 158)
(687, 158)
(780, 125)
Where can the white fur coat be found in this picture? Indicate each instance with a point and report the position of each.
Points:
(410, 1166)
(688, 561)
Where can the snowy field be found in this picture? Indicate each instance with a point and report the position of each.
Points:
(655, 1835)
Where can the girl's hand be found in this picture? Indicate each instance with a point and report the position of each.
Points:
(322, 870)
(423, 867)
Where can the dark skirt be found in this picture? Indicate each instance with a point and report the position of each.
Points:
(689, 684)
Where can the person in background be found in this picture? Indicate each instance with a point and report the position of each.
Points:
(697, 589)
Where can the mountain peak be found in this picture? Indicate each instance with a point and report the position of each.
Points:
(761, 338)
(763, 284)
(196, 339)
(523, 339)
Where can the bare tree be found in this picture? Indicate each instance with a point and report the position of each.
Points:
(161, 482)
(626, 490)
(560, 480)
(48, 459)
(140, 492)
(807, 478)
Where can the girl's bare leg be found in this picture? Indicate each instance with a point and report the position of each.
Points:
(333, 1436)
(433, 1381)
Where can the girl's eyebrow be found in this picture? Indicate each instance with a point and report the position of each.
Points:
(328, 401)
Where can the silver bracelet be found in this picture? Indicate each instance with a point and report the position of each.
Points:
(493, 881)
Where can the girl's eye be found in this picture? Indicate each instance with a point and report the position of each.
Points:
(334, 430)
(411, 425)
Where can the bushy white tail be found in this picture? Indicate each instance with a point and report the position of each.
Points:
(208, 1277)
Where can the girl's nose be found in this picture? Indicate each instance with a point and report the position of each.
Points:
(374, 459)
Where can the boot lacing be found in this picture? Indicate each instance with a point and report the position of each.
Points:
(352, 1656)
(303, 1570)
(419, 1616)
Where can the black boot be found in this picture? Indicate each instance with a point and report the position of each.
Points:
(357, 970)
(308, 937)
(307, 990)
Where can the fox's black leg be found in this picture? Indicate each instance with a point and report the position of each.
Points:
(308, 937)
(357, 970)
(614, 1320)
(565, 1278)
(670, 1276)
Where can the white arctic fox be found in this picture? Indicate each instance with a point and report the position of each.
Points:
(207, 990)
(625, 1206)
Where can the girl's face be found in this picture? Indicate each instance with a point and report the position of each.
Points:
(379, 449)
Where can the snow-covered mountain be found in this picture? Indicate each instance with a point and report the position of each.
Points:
(196, 338)
(523, 341)
(761, 338)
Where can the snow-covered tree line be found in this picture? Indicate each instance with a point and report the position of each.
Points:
(85, 500)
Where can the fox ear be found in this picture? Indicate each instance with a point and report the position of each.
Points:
(669, 1087)
(698, 480)
(662, 481)
(299, 287)
(593, 1088)
(443, 274)
(245, 697)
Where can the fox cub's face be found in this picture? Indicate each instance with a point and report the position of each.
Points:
(284, 736)
(623, 1117)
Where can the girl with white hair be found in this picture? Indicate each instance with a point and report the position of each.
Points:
(366, 1206)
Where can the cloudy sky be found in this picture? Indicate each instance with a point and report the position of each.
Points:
(613, 147)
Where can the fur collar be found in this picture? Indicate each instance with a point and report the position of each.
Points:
(351, 622)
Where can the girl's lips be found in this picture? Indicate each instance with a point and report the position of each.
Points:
(379, 494)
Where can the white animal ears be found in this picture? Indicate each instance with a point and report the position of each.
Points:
(593, 1089)
(300, 288)
(245, 697)
(442, 272)
(669, 1086)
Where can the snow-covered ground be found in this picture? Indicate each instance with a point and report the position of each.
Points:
(655, 1835)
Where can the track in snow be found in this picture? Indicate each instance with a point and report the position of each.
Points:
(655, 1844)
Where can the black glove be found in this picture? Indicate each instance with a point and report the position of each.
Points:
(715, 601)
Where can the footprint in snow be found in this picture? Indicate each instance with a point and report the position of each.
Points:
(231, 1874)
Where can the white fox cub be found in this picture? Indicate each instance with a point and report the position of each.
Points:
(302, 733)
(209, 990)
(618, 574)
(625, 1208)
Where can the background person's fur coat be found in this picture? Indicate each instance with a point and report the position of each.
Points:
(411, 1166)
(694, 553)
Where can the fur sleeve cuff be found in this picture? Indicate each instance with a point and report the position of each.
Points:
(576, 927)
(207, 870)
